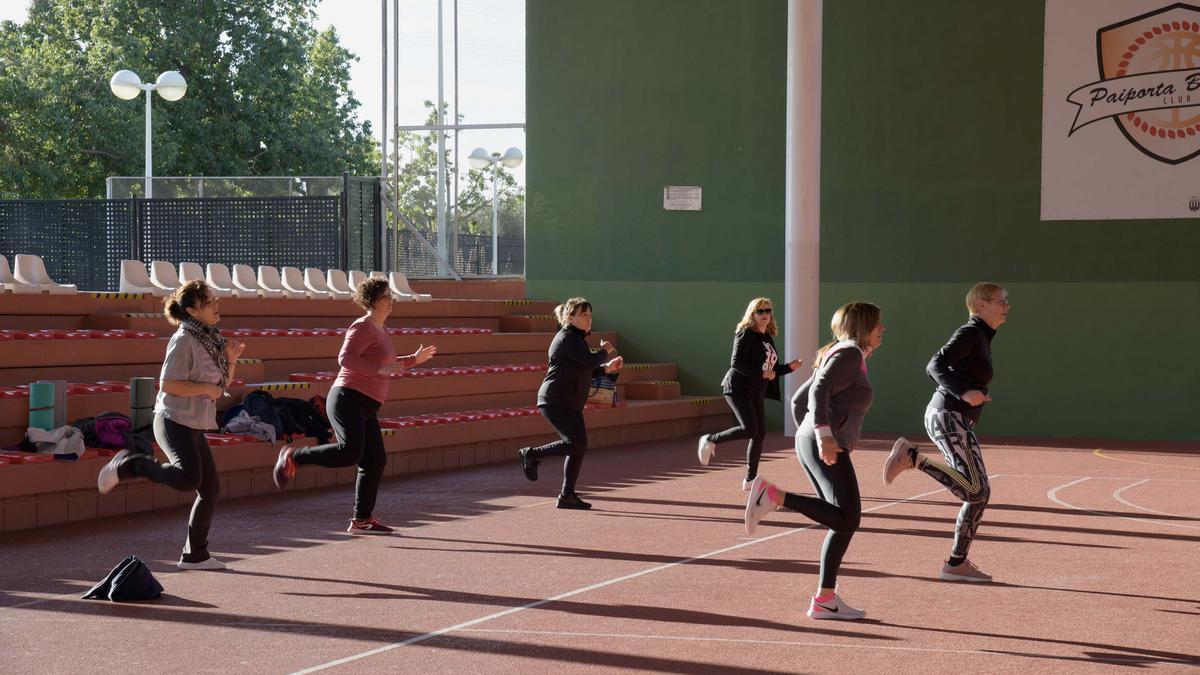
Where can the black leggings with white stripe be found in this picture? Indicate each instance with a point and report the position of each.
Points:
(963, 473)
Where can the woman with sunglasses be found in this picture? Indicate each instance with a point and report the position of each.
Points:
(753, 377)
(962, 369)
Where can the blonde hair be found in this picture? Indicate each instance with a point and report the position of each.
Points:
(748, 318)
(852, 321)
(193, 294)
(570, 308)
(984, 290)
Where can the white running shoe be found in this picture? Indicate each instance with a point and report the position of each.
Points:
(898, 461)
(746, 483)
(208, 563)
(759, 504)
(108, 478)
(706, 450)
(835, 609)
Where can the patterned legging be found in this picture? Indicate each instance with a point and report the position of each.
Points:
(963, 474)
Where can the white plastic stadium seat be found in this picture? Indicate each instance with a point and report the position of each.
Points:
(134, 279)
(245, 282)
(338, 283)
(270, 283)
(162, 275)
(189, 271)
(400, 287)
(293, 285)
(31, 271)
(9, 283)
(314, 281)
(356, 278)
(219, 282)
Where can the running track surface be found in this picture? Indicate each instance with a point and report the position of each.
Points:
(1094, 554)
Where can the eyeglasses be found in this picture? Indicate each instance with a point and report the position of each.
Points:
(764, 310)
(999, 301)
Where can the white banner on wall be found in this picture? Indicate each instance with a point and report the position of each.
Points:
(1121, 110)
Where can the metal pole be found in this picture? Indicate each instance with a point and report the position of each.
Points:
(441, 144)
(393, 255)
(149, 166)
(456, 217)
(495, 223)
(802, 200)
(383, 149)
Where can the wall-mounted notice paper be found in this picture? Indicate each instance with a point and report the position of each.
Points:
(682, 197)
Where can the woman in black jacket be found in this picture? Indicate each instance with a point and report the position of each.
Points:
(962, 369)
(753, 374)
(564, 393)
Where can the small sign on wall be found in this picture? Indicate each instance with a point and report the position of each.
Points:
(682, 197)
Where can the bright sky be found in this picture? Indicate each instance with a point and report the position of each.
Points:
(491, 36)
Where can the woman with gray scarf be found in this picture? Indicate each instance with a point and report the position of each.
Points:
(198, 367)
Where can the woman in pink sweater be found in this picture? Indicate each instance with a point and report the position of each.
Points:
(367, 361)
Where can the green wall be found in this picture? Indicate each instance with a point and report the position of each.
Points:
(931, 142)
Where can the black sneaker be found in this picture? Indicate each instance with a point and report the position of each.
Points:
(572, 501)
(529, 464)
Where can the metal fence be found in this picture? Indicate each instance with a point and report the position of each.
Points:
(83, 241)
(471, 255)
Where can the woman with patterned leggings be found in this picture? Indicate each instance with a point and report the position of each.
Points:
(962, 370)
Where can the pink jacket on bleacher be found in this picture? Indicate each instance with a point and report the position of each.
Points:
(366, 349)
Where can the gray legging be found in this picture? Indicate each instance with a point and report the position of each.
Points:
(837, 505)
(963, 474)
(191, 468)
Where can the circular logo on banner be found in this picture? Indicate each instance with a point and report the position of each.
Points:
(1162, 43)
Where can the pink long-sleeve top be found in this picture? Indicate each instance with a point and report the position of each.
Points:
(366, 349)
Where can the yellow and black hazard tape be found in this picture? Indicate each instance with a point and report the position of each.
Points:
(665, 382)
(109, 295)
(539, 316)
(251, 362)
(636, 366)
(389, 432)
(143, 315)
(705, 401)
(279, 386)
(518, 303)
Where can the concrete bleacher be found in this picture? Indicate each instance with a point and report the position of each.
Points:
(472, 404)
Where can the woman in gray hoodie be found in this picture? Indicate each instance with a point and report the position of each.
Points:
(829, 410)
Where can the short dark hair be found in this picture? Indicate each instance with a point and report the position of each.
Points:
(370, 291)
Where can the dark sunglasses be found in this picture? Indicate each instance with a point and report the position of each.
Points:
(766, 310)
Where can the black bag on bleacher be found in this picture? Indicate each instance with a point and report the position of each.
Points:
(299, 417)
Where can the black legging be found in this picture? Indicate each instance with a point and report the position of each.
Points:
(752, 424)
(568, 422)
(839, 506)
(359, 441)
(191, 468)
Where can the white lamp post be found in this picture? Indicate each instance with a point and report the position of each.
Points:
(480, 159)
(127, 85)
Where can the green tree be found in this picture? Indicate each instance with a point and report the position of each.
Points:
(417, 188)
(267, 94)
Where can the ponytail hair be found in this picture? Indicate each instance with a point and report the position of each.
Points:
(852, 321)
(193, 294)
(570, 308)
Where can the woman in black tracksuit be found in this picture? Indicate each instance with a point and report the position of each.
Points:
(753, 376)
(564, 393)
(962, 369)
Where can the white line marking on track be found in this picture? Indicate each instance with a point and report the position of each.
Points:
(685, 638)
(1067, 475)
(585, 589)
(1052, 495)
(1117, 496)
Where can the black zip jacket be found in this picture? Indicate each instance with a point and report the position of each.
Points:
(754, 352)
(963, 364)
(573, 364)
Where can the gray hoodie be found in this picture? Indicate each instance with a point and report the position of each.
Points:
(838, 396)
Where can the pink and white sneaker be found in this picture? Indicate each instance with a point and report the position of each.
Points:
(760, 503)
(834, 609)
